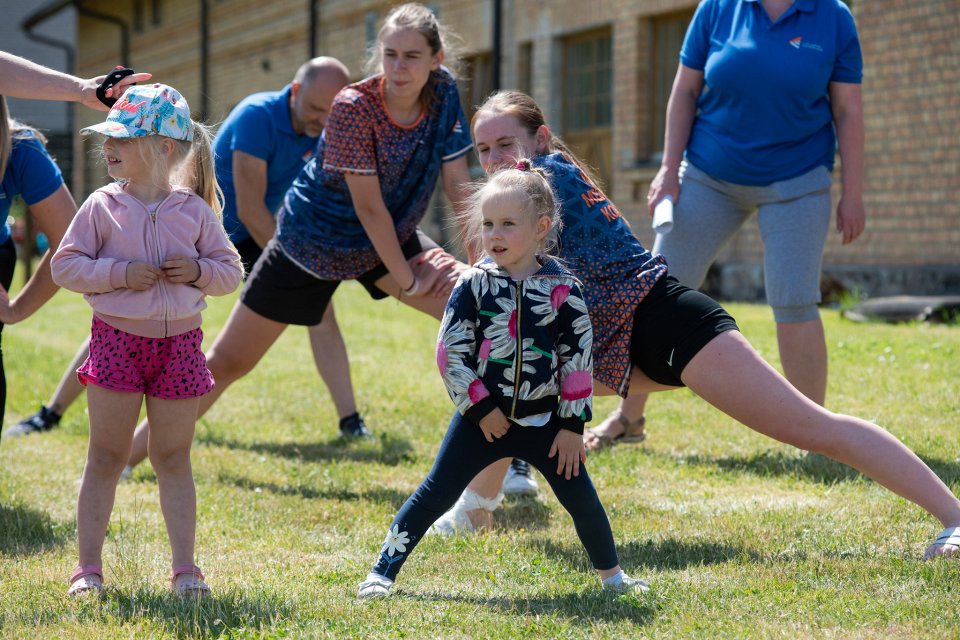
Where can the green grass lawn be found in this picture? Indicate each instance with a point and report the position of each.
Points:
(738, 535)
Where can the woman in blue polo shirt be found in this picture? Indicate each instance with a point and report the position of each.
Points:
(765, 91)
(29, 172)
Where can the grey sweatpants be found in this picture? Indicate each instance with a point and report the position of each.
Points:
(794, 217)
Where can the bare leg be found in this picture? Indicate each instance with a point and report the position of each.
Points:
(241, 344)
(330, 356)
(69, 387)
(803, 355)
(112, 417)
(170, 438)
(762, 399)
(430, 305)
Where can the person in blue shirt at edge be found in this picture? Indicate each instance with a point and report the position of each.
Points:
(28, 171)
(784, 88)
(25, 164)
(265, 141)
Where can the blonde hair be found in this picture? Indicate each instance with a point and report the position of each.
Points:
(527, 184)
(528, 114)
(190, 165)
(419, 18)
(11, 129)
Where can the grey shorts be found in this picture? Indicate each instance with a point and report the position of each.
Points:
(793, 216)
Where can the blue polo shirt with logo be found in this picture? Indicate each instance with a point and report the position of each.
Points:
(31, 173)
(260, 125)
(764, 111)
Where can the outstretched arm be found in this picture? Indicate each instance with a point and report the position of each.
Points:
(21, 78)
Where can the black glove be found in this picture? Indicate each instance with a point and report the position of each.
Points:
(116, 75)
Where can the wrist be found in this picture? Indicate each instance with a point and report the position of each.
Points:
(413, 288)
(199, 272)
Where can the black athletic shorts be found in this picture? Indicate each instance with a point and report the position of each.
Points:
(671, 325)
(279, 289)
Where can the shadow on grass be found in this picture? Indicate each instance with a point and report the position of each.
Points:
(380, 495)
(24, 530)
(384, 449)
(661, 555)
(525, 512)
(767, 464)
(807, 466)
(220, 616)
(581, 609)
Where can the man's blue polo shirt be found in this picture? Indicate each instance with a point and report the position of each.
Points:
(260, 125)
(31, 173)
(764, 112)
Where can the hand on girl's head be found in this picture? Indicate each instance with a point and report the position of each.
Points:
(141, 276)
(181, 270)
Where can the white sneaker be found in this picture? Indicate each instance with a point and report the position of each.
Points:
(518, 481)
(375, 586)
(622, 583)
(456, 519)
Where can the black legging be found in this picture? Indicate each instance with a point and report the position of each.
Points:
(8, 260)
(463, 454)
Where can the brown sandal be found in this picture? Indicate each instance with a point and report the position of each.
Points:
(634, 431)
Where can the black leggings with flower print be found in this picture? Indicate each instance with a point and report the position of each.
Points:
(463, 453)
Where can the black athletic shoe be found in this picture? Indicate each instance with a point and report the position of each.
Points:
(353, 426)
(41, 421)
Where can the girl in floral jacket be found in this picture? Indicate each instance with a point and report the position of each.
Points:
(515, 355)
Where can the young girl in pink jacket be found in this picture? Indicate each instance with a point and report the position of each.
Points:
(145, 252)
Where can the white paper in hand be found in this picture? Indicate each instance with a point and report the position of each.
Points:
(663, 216)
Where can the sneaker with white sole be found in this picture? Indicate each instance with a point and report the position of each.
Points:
(374, 586)
(622, 583)
(353, 426)
(518, 481)
(43, 420)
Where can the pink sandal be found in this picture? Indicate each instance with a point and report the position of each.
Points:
(86, 579)
(193, 588)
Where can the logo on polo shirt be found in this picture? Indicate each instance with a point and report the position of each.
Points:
(798, 43)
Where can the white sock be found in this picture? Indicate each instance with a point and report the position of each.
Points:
(615, 579)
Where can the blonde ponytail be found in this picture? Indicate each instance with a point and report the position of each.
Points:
(200, 171)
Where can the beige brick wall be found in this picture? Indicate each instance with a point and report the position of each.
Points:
(911, 91)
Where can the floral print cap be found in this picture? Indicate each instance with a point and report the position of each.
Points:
(148, 110)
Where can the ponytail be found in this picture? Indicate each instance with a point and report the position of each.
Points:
(198, 172)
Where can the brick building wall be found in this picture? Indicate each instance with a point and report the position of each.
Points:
(911, 99)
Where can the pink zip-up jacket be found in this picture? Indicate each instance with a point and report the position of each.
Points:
(113, 229)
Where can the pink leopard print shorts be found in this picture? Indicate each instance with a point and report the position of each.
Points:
(171, 368)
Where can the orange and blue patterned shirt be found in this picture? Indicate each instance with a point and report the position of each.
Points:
(617, 272)
(318, 226)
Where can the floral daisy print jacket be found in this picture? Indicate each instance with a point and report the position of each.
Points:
(523, 346)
